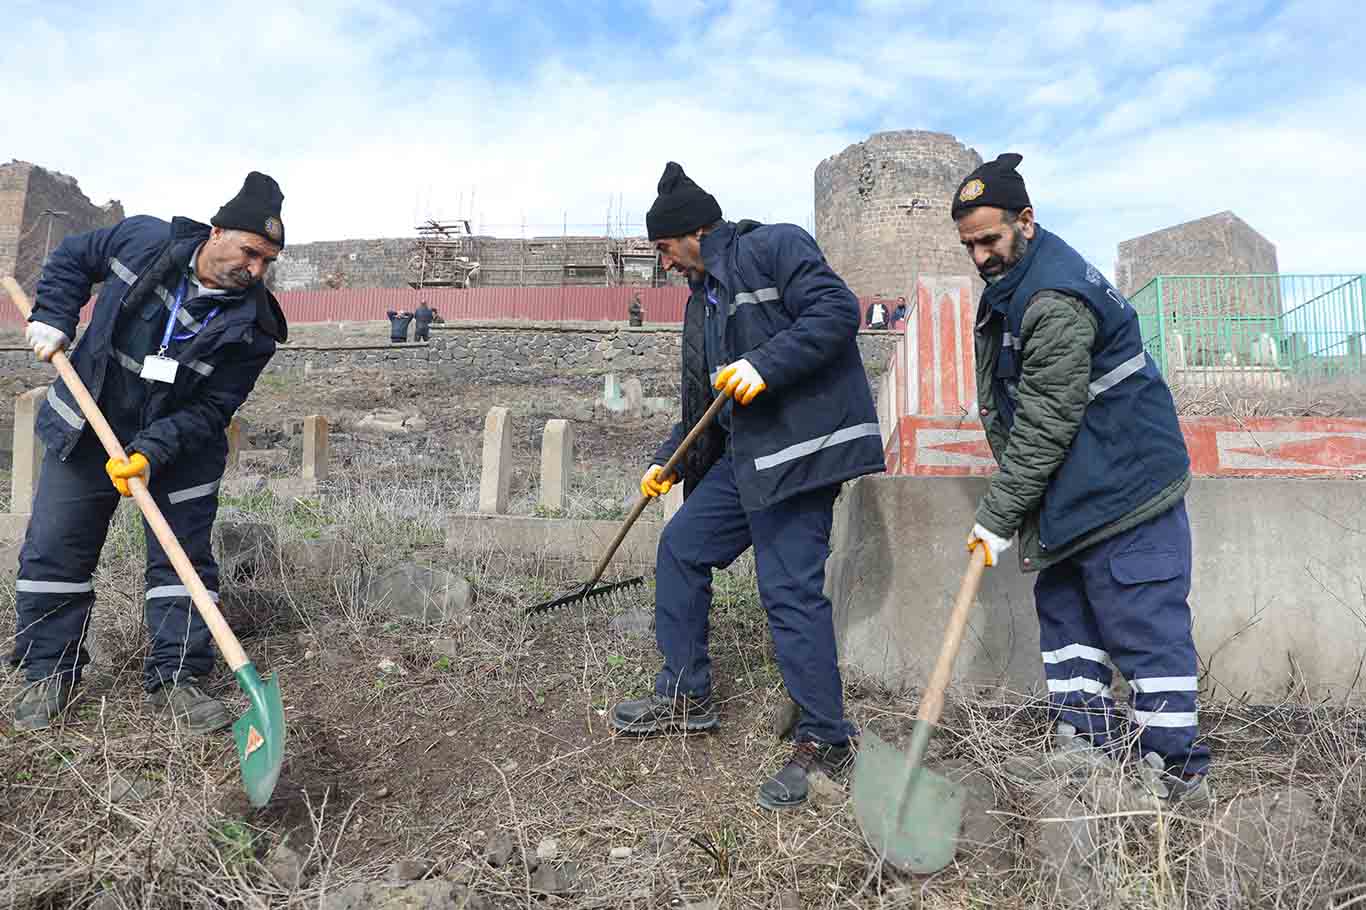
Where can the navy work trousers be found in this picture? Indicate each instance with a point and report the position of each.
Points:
(55, 588)
(1124, 602)
(791, 542)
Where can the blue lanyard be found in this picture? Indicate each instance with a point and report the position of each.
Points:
(167, 336)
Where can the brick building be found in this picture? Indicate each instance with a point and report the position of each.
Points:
(1221, 244)
(882, 210)
(26, 233)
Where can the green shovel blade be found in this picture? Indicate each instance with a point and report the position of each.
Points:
(260, 734)
(928, 837)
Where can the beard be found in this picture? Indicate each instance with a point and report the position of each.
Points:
(996, 268)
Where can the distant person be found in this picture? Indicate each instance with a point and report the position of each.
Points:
(1093, 478)
(877, 315)
(635, 312)
(898, 314)
(422, 317)
(180, 332)
(398, 326)
(771, 327)
(437, 319)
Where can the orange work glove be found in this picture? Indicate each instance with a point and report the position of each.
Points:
(740, 381)
(654, 485)
(120, 471)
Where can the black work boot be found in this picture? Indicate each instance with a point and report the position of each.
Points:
(42, 702)
(788, 788)
(190, 705)
(658, 714)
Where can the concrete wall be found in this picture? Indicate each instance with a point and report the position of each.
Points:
(1221, 244)
(1277, 593)
(26, 190)
(882, 210)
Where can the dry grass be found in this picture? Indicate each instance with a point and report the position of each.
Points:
(502, 730)
(1324, 398)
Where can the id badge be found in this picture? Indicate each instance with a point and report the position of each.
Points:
(159, 369)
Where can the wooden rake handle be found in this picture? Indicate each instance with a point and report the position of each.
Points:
(227, 643)
(668, 468)
(933, 703)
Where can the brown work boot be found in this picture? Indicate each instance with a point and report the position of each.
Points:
(190, 706)
(788, 789)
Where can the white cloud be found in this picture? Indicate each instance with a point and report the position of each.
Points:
(1080, 87)
(1167, 94)
(368, 123)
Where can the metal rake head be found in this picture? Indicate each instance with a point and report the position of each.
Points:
(586, 593)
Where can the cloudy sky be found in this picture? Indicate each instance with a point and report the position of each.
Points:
(1131, 115)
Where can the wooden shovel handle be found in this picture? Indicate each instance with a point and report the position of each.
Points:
(933, 703)
(665, 471)
(227, 643)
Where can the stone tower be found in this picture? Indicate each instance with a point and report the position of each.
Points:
(882, 210)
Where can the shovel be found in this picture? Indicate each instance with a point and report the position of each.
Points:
(909, 814)
(587, 591)
(260, 732)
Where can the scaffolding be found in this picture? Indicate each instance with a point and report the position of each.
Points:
(446, 255)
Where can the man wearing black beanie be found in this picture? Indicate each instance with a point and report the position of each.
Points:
(181, 330)
(1093, 476)
(770, 326)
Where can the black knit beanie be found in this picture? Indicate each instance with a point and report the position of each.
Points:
(681, 207)
(996, 184)
(255, 209)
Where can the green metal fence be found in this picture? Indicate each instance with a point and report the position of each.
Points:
(1258, 328)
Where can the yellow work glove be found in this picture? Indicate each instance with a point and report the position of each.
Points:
(120, 471)
(995, 544)
(654, 485)
(740, 381)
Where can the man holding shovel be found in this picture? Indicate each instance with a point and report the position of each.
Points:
(180, 332)
(774, 329)
(1093, 476)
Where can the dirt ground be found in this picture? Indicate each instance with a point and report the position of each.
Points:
(468, 763)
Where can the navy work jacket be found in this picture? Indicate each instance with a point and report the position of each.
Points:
(786, 311)
(140, 261)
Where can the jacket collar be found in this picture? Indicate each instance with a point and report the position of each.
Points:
(998, 295)
(718, 247)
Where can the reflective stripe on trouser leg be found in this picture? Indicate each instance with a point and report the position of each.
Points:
(708, 532)
(181, 644)
(791, 543)
(1139, 582)
(1074, 660)
(54, 591)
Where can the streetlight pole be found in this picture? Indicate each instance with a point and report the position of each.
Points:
(50, 213)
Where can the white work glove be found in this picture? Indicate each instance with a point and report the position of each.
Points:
(45, 340)
(740, 381)
(994, 544)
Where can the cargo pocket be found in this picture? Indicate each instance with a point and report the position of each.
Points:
(1136, 567)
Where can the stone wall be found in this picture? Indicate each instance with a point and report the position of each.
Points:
(882, 210)
(503, 262)
(1221, 244)
(26, 191)
(524, 352)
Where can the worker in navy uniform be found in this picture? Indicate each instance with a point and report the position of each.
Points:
(1093, 477)
(771, 326)
(182, 328)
